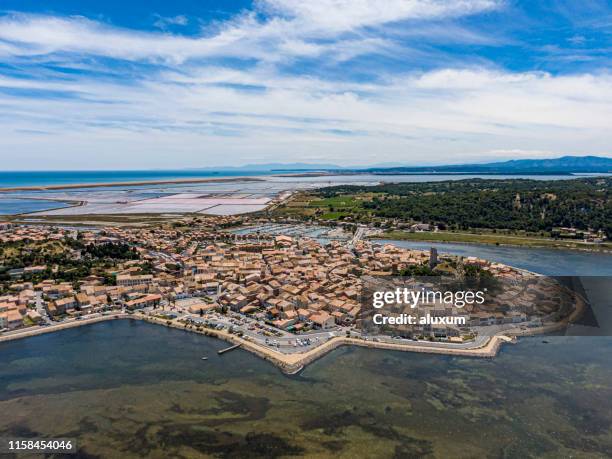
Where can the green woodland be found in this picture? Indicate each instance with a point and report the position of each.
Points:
(512, 204)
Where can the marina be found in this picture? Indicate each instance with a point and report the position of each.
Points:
(320, 233)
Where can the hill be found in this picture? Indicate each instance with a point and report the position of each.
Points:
(563, 165)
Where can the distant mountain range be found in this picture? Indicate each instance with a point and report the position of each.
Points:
(270, 167)
(563, 165)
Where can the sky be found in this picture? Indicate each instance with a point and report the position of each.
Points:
(176, 84)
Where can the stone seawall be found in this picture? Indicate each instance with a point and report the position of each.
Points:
(288, 363)
(293, 363)
(26, 333)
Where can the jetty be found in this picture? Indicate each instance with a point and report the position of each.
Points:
(231, 348)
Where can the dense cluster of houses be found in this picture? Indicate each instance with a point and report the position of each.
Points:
(293, 283)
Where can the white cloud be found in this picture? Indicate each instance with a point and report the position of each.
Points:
(192, 112)
(577, 40)
(163, 22)
(437, 114)
(288, 31)
(46, 35)
(343, 15)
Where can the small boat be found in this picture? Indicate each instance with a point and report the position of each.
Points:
(204, 358)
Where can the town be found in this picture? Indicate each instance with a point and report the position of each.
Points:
(282, 293)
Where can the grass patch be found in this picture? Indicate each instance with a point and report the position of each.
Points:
(333, 215)
(337, 201)
(305, 205)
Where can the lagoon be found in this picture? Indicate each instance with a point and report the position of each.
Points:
(550, 262)
(132, 389)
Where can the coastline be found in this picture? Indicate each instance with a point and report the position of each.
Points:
(294, 363)
(287, 363)
(130, 183)
(432, 173)
(35, 331)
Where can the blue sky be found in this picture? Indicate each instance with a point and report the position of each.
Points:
(150, 84)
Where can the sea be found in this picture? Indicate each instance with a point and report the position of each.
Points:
(14, 179)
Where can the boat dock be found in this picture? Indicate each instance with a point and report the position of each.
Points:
(231, 348)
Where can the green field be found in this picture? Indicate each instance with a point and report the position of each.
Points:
(342, 207)
(341, 202)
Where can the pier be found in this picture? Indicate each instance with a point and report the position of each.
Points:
(231, 348)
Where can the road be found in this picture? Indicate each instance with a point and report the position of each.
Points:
(41, 310)
(289, 343)
(357, 236)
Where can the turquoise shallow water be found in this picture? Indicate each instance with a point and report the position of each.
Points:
(129, 389)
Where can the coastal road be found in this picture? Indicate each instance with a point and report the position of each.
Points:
(289, 343)
(286, 343)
